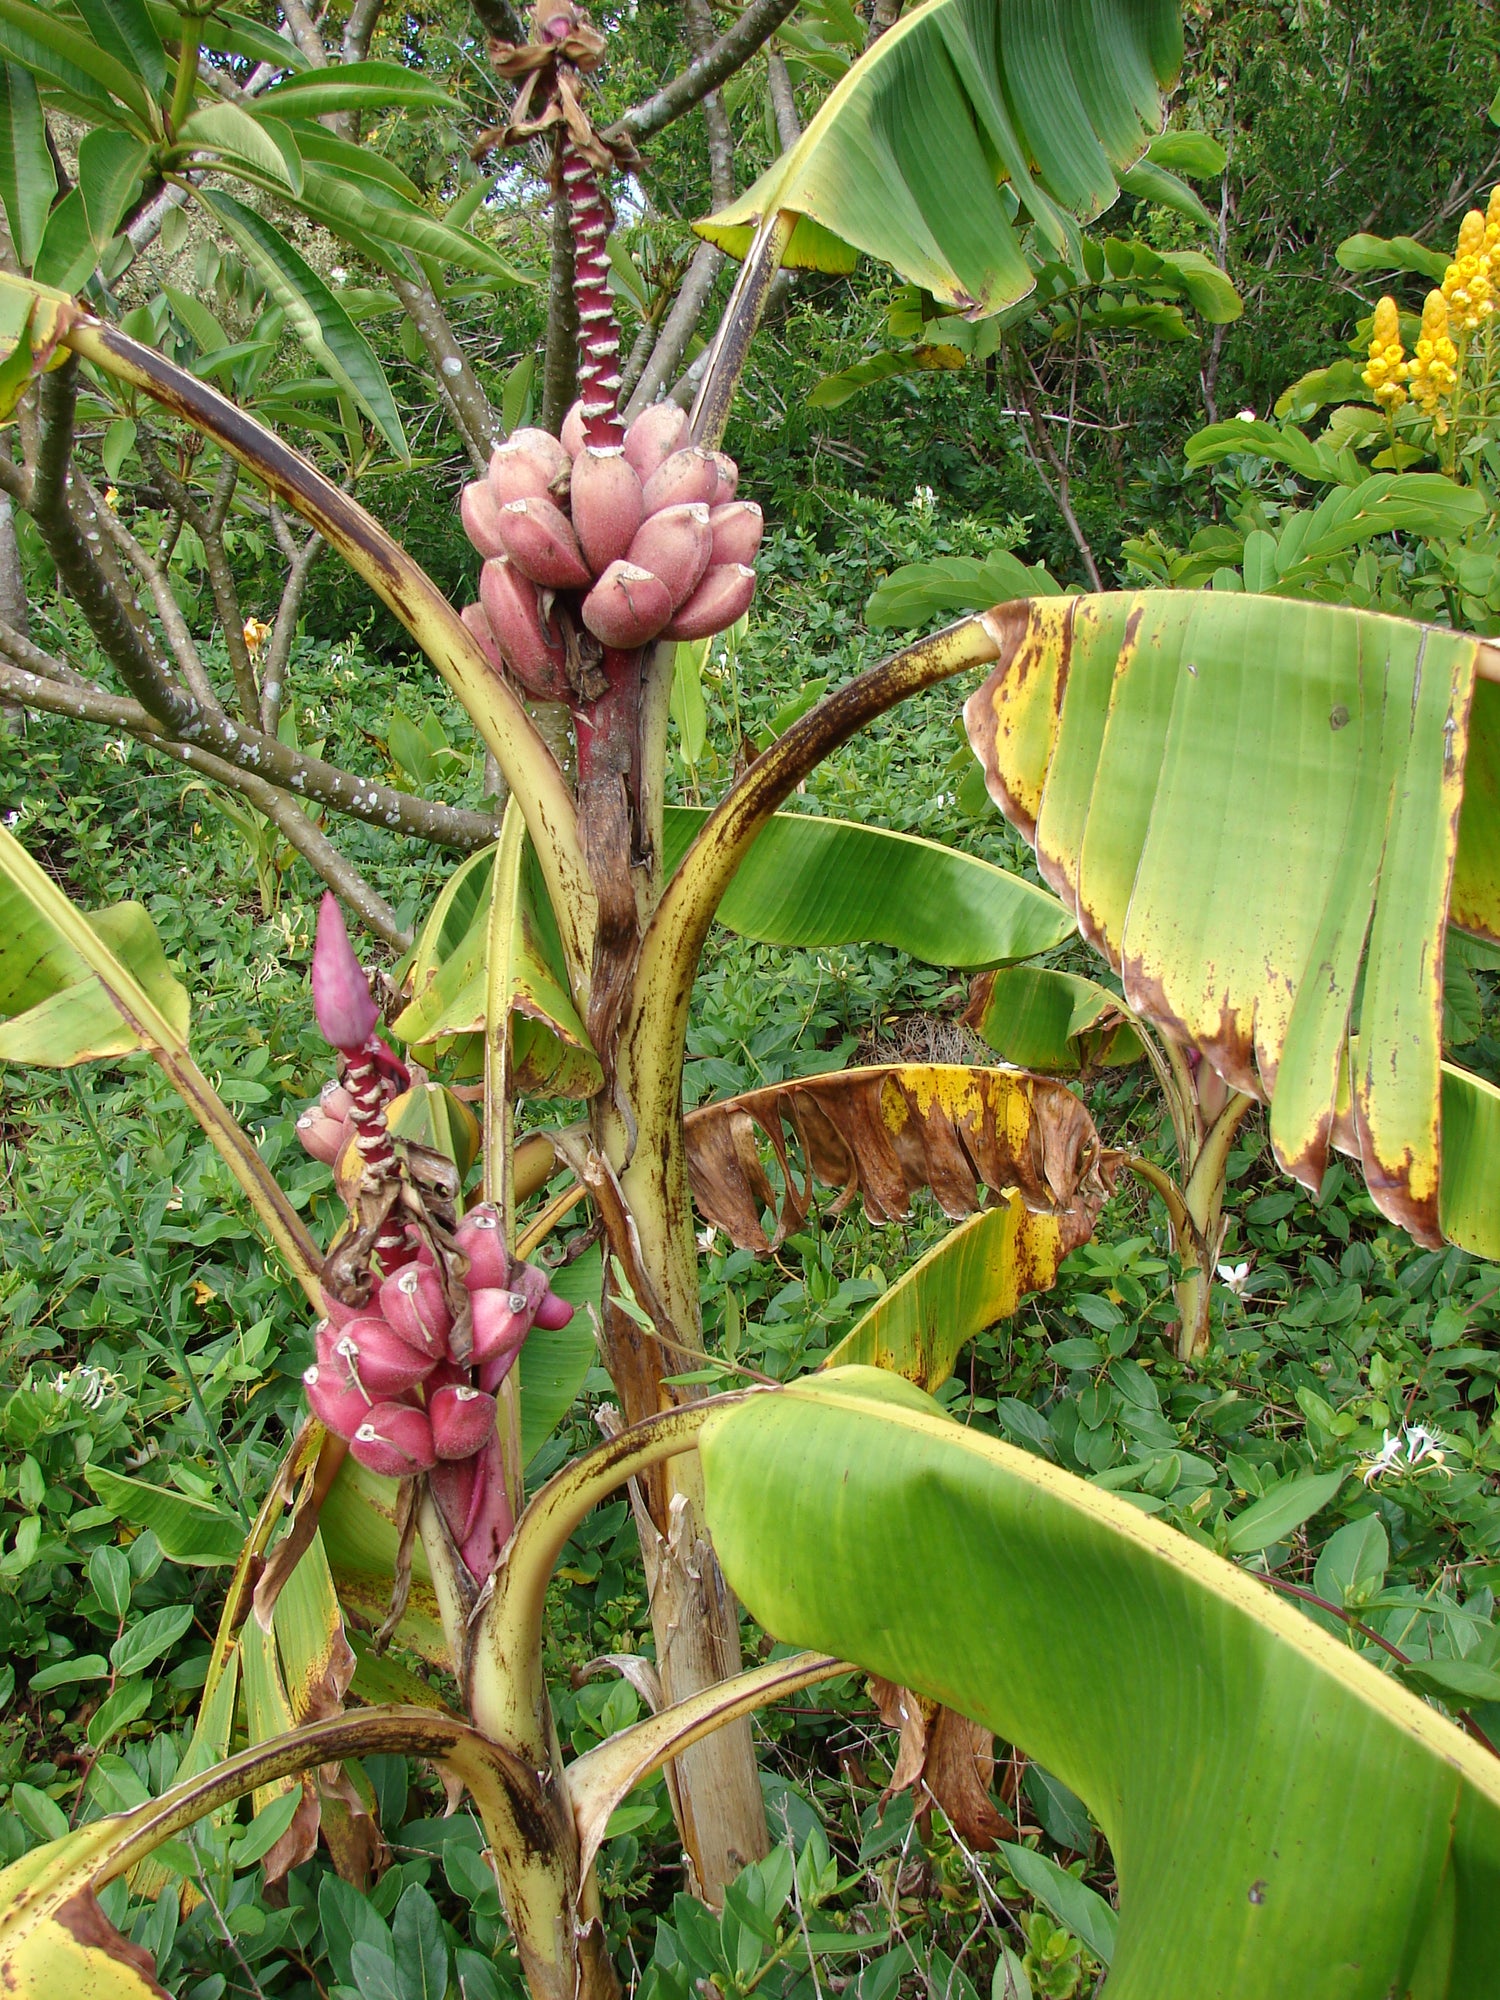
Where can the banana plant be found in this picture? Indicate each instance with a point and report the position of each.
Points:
(567, 952)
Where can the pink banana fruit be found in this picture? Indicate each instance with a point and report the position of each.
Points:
(656, 433)
(478, 509)
(627, 606)
(534, 654)
(572, 436)
(675, 545)
(372, 1354)
(341, 1407)
(539, 540)
(481, 1239)
(729, 478)
(689, 474)
(723, 595)
(415, 1308)
(473, 615)
(394, 1441)
(606, 504)
(737, 527)
(525, 466)
(462, 1419)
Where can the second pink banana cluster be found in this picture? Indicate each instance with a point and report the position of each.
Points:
(649, 536)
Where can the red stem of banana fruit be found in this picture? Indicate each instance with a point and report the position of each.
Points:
(590, 219)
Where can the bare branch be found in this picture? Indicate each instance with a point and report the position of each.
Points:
(681, 323)
(783, 101)
(79, 566)
(248, 753)
(284, 628)
(884, 14)
(53, 696)
(153, 572)
(700, 27)
(463, 397)
(360, 28)
(729, 53)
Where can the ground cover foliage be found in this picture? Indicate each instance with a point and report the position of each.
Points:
(1340, 1436)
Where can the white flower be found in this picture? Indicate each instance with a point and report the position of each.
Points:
(339, 275)
(707, 1238)
(1234, 1277)
(1247, 416)
(89, 1386)
(923, 500)
(1385, 1460)
(1421, 1446)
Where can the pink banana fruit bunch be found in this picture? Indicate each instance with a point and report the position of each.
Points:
(642, 540)
(412, 1385)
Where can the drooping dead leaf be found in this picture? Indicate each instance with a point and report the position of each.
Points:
(946, 1758)
(885, 1132)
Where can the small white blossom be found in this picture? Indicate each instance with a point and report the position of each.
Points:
(707, 1238)
(339, 275)
(1247, 416)
(1234, 1278)
(1414, 1446)
(923, 500)
(89, 1386)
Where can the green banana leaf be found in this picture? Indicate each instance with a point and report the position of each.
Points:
(77, 988)
(57, 1008)
(551, 1052)
(814, 881)
(977, 1275)
(966, 123)
(1260, 811)
(1285, 1820)
(1051, 1021)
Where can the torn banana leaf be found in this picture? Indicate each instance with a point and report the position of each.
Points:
(885, 1132)
(1258, 810)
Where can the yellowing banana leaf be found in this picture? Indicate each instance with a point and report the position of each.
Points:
(54, 1938)
(815, 881)
(430, 1115)
(1051, 1021)
(972, 1278)
(1285, 1819)
(75, 988)
(886, 1131)
(966, 123)
(1257, 809)
(551, 1052)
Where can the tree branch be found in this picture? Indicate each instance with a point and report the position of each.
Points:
(80, 571)
(249, 753)
(284, 625)
(729, 53)
(678, 329)
(783, 100)
(465, 400)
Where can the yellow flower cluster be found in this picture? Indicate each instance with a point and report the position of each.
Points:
(1467, 284)
(1435, 369)
(1387, 369)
